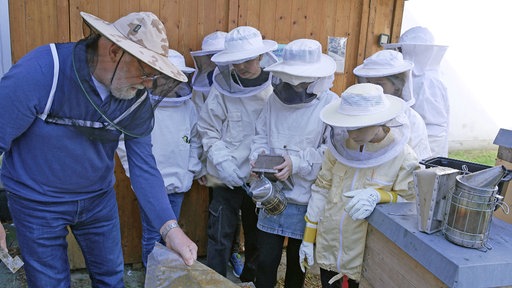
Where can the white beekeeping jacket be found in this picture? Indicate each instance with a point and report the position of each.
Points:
(432, 103)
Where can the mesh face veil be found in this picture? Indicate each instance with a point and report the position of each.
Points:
(291, 94)
(224, 83)
(399, 84)
(202, 79)
(132, 116)
(349, 153)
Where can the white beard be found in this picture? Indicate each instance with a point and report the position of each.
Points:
(126, 92)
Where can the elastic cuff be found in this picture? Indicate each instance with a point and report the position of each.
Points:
(309, 234)
(387, 196)
(309, 220)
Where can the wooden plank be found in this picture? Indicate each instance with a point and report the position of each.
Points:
(188, 26)
(313, 27)
(386, 265)
(253, 13)
(234, 14)
(170, 17)
(110, 10)
(282, 21)
(396, 26)
(41, 19)
(63, 30)
(203, 18)
(18, 29)
(221, 20)
(125, 8)
(76, 23)
(150, 6)
(129, 216)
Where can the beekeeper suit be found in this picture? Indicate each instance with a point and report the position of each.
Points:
(355, 177)
(432, 103)
(290, 126)
(227, 126)
(388, 69)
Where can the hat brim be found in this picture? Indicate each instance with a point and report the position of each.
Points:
(325, 67)
(153, 59)
(361, 71)
(187, 69)
(331, 116)
(225, 57)
(204, 52)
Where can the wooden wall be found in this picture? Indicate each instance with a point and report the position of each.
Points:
(37, 22)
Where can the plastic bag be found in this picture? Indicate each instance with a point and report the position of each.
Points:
(165, 268)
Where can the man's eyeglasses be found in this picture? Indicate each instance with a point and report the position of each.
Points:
(145, 76)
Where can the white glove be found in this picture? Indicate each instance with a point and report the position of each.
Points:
(229, 174)
(363, 202)
(306, 253)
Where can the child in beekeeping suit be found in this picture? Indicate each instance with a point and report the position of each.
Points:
(290, 126)
(368, 161)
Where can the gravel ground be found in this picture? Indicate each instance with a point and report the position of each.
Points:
(134, 274)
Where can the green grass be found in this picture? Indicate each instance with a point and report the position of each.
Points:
(480, 156)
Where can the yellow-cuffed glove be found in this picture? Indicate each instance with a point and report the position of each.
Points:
(306, 251)
(364, 201)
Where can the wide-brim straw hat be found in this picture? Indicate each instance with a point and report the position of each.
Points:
(142, 35)
(241, 44)
(304, 58)
(383, 63)
(362, 105)
(212, 43)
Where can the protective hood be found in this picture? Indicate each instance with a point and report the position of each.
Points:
(417, 45)
(425, 56)
(227, 81)
(181, 93)
(391, 66)
(202, 78)
(373, 154)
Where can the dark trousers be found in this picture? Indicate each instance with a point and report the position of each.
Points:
(222, 225)
(271, 247)
(326, 275)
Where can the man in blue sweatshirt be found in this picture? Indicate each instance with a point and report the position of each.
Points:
(63, 108)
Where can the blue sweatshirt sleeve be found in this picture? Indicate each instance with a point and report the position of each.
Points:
(24, 90)
(147, 181)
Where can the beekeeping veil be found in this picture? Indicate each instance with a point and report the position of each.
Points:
(303, 62)
(418, 45)
(389, 65)
(363, 105)
(183, 91)
(143, 36)
(242, 44)
(212, 43)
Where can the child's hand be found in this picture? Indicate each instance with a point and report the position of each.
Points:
(306, 258)
(285, 169)
(363, 202)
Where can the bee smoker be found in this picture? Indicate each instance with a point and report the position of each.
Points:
(471, 204)
(268, 195)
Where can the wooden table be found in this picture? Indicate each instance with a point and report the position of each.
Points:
(399, 255)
